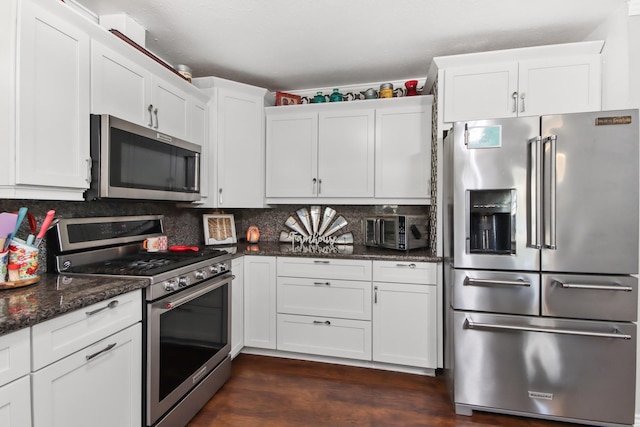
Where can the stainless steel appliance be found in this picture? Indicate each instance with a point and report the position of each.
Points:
(541, 239)
(187, 315)
(135, 162)
(403, 232)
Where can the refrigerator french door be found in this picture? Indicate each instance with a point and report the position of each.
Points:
(551, 193)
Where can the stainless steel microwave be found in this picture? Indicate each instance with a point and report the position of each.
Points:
(402, 232)
(129, 161)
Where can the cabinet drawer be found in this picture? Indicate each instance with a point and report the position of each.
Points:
(325, 336)
(345, 269)
(56, 338)
(405, 272)
(346, 299)
(14, 355)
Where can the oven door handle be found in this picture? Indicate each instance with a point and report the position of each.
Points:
(170, 305)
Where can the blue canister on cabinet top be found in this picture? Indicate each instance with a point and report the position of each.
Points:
(336, 96)
(318, 98)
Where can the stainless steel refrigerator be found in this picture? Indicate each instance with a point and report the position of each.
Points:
(541, 240)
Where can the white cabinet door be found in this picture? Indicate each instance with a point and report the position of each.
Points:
(170, 107)
(559, 85)
(404, 324)
(240, 150)
(52, 148)
(119, 86)
(237, 306)
(260, 301)
(481, 91)
(99, 386)
(15, 403)
(403, 152)
(346, 153)
(292, 155)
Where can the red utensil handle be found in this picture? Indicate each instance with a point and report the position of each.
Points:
(46, 223)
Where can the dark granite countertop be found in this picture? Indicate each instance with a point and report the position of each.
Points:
(338, 251)
(57, 294)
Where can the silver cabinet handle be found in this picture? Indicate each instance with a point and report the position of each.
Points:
(470, 324)
(549, 204)
(112, 304)
(321, 284)
(412, 265)
(522, 105)
(468, 281)
(321, 322)
(88, 171)
(150, 109)
(320, 262)
(375, 294)
(535, 194)
(514, 95)
(595, 287)
(314, 181)
(98, 353)
(220, 196)
(319, 186)
(155, 113)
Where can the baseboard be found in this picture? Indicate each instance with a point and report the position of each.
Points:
(340, 361)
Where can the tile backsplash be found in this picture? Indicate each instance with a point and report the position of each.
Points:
(184, 226)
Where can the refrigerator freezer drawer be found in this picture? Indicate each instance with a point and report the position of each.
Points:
(548, 367)
(496, 292)
(612, 298)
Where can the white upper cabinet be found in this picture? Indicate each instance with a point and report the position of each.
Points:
(403, 150)
(233, 156)
(357, 152)
(169, 108)
(521, 82)
(110, 70)
(52, 98)
(291, 153)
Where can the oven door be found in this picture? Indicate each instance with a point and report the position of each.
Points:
(188, 335)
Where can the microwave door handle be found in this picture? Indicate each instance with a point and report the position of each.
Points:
(196, 178)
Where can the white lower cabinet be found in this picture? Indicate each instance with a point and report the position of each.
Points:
(322, 313)
(99, 386)
(87, 366)
(405, 313)
(325, 336)
(260, 302)
(237, 306)
(15, 403)
(15, 387)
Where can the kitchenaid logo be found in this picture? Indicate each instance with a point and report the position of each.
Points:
(539, 395)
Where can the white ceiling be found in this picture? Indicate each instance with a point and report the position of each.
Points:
(299, 44)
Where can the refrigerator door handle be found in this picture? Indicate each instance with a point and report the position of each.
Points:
(534, 230)
(468, 281)
(470, 324)
(549, 171)
(611, 287)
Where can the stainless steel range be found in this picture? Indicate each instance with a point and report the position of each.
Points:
(187, 314)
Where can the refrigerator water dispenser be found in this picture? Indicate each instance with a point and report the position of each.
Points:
(491, 221)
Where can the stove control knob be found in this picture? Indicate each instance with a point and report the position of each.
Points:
(183, 281)
(214, 269)
(200, 275)
(170, 286)
(222, 267)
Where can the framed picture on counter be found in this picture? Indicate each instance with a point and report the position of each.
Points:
(219, 229)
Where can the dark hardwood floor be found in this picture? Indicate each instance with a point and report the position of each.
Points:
(270, 392)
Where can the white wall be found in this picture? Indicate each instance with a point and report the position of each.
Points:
(621, 86)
